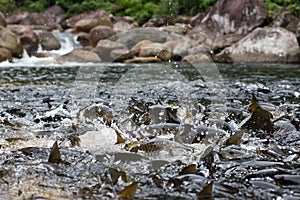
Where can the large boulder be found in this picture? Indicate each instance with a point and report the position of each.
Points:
(152, 49)
(2, 20)
(70, 22)
(55, 12)
(5, 54)
(122, 26)
(263, 45)
(28, 38)
(229, 17)
(92, 20)
(288, 21)
(37, 19)
(16, 18)
(100, 33)
(10, 41)
(48, 41)
(133, 36)
(104, 48)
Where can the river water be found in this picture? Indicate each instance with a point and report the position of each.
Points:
(185, 112)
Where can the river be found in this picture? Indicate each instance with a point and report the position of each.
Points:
(84, 105)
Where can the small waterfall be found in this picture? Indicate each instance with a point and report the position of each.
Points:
(68, 43)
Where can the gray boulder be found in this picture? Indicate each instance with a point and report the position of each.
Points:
(79, 55)
(55, 12)
(104, 48)
(48, 41)
(5, 54)
(122, 26)
(16, 18)
(229, 17)
(28, 38)
(92, 20)
(133, 36)
(289, 22)
(100, 33)
(10, 41)
(263, 45)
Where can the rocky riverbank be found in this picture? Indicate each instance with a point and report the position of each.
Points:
(230, 31)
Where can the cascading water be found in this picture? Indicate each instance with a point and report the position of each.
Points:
(68, 43)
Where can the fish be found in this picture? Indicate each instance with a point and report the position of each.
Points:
(260, 119)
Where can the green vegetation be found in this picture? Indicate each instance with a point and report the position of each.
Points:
(140, 10)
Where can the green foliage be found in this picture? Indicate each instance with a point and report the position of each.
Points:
(7, 7)
(293, 5)
(170, 8)
(74, 7)
(140, 10)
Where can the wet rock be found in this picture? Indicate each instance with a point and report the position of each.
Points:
(92, 20)
(263, 45)
(191, 134)
(2, 20)
(143, 60)
(5, 54)
(79, 55)
(100, 33)
(28, 38)
(10, 41)
(120, 55)
(133, 36)
(84, 39)
(48, 41)
(197, 58)
(122, 26)
(229, 17)
(104, 48)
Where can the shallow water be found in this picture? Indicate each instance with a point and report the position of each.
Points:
(44, 104)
